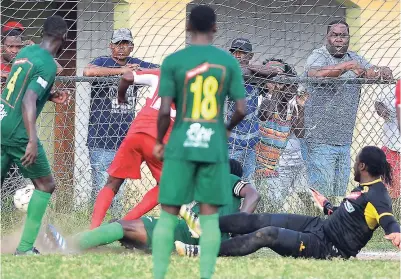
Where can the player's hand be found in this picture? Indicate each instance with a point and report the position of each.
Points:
(158, 151)
(31, 153)
(394, 238)
(318, 198)
(61, 97)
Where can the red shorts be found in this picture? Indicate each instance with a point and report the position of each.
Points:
(135, 149)
(393, 157)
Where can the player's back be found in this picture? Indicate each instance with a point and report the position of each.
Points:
(35, 69)
(203, 76)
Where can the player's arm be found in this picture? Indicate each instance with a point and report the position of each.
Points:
(237, 93)
(29, 118)
(322, 202)
(382, 210)
(250, 195)
(125, 82)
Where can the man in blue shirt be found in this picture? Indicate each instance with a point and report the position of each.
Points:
(245, 135)
(109, 121)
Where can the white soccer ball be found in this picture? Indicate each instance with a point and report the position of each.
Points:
(23, 196)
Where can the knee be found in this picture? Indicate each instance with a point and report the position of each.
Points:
(45, 184)
(268, 234)
(128, 226)
(114, 183)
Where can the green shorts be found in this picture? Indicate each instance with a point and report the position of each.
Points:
(13, 154)
(185, 181)
(181, 231)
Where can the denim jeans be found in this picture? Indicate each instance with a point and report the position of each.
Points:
(247, 158)
(329, 168)
(100, 160)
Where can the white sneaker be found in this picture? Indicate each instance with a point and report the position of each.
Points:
(188, 250)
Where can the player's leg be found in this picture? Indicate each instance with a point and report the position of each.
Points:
(174, 191)
(243, 223)
(5, 163)
(282, 241)
(126, 164)
(211, 191)
(149, 200)
(44, 183)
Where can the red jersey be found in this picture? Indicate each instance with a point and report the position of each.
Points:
(146, 120)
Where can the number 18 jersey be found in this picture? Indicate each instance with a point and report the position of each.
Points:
(34, 69)
(199, 78)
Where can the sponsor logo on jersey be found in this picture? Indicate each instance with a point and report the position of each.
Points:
(42, 82)
(3, 113)
(21, 61)
(354, 195)
(198, 70)
(348, 206)
(198, 136)
(302, 246)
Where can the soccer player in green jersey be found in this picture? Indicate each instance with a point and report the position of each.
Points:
(197, 79)
(26, 91)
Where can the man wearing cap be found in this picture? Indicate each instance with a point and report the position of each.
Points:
(245, 135)
(108, 120)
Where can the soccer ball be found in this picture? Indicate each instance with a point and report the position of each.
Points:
(23, 196)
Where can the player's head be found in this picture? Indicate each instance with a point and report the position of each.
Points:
(202, 20)
(371, 162)
(55, 33)
(122, 44)
(241, 49)
(337, 38)
(285, 90)
(235, 168)
(11, 42)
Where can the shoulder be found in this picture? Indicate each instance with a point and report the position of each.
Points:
(378, 192)
(103, 61)
(320, 52)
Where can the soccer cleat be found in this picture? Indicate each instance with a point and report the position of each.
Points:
(33, 251)
(188, 250)
(192, 221)
(55, 239)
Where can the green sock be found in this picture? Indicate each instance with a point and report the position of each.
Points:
(102, 235)
(209, 244)
(36, 209)
(163, 243)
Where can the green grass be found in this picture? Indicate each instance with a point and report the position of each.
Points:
(138, 265)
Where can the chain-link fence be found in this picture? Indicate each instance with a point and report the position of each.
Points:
(349, 114)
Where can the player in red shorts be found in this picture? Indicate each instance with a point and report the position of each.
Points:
(135, 148)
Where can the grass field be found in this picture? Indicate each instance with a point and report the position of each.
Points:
(138, 265)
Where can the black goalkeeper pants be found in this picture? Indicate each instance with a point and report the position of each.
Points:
(286, 234)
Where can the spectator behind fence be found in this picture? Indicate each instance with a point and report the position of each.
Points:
(276, 114)
(108, 120)
(397, 103)
(245, 135)
(385, 108)
(330, 112)
(11, 44)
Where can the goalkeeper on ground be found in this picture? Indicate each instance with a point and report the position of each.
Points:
(347, 230)
(138, 233)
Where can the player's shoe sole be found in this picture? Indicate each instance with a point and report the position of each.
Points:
(187, 249)
(192, 221)
(54, 239)
(33, 251)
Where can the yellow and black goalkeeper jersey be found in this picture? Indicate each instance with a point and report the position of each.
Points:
(352, 224)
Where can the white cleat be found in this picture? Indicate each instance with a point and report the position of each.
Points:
(188, 250)
(192, 221)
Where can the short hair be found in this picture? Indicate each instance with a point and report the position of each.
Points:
(55, 26)
(337, 21)
(202, 18)
(236, 168)
(288, 69)
(10, 33)
(376, 162)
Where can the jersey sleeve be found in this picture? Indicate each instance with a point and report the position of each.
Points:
(380, 205)
(236, 87)
(42, 80)
(167, 86)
